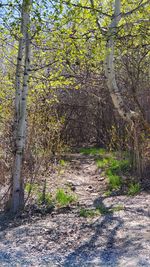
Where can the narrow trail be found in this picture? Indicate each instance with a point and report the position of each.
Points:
(85, 177)
(118, 239)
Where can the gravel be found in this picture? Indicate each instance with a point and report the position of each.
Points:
(117, 239)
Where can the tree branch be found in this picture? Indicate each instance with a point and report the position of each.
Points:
(136, 8)
(88, 8)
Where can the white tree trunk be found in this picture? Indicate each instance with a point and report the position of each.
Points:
(115, 93)
(19, 70)
(17, 198)
(133, 118)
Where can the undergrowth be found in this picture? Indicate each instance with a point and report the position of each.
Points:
(64, 198)
(100, 210)
(44, 199)
(61, 198)
(111, 164)
(88, 213)
(114, 168)
(94, 151)
(134, 188)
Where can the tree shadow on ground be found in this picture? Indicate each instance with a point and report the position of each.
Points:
(68, 240)
(105, 247)
(10, 221)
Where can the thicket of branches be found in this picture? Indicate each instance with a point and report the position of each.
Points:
(70, 101)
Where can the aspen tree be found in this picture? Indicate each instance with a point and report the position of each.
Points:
(22, 76)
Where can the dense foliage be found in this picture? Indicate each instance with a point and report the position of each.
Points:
(69, 98)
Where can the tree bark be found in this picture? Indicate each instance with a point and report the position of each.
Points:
(133, 118)
(22, 75)
(114, 90)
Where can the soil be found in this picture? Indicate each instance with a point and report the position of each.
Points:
(120, 238)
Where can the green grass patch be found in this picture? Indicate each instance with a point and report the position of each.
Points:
(44, 199)
(103, 210)
(88, 213)
(113, 164)
(134, 189)
(107, 193)
(102, 163)
(115, 170)
(94, 151)
(62, 162)
(31, 187)
(117, 208)
(63, 198)
(114, 180)
(100, 210)
(117, 166)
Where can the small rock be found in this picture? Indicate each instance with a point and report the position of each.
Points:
(90, 188)
(101, 178)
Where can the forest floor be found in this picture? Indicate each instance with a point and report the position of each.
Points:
(119, 236)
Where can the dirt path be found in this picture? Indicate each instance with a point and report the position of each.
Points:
(120, 238)
(82, 174)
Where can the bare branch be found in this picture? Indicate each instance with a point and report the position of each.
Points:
(97, 19)
(89, 8)
(136, 8)
(45, 66)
